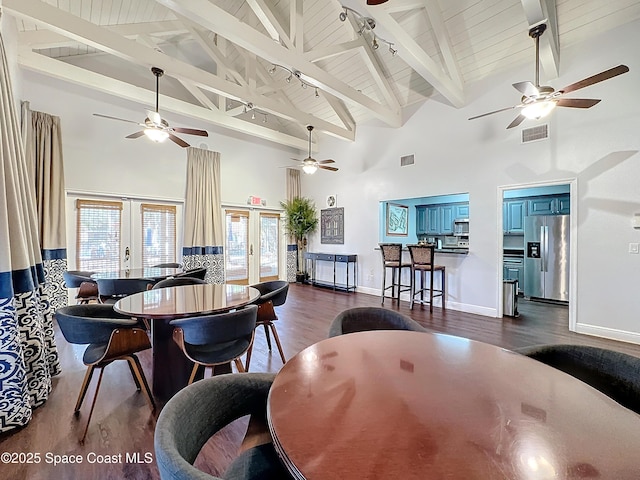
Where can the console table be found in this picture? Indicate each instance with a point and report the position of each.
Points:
(312, 259)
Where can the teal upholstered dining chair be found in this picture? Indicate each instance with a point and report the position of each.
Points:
(200, 410)
(109, 336)
(360, 319)
(615, 374)
(211, 340)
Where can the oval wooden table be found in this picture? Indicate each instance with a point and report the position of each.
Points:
(410, 405)
(171, 368)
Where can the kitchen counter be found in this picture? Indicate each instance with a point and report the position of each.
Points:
(453, 250)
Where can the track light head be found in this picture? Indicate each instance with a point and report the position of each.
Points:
(343, 16)
(374, 44)
(272, 70)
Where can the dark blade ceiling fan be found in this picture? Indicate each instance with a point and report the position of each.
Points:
(157, 128)
(309, 165)
(538, 101)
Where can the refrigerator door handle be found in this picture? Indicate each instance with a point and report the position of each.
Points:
(542, 248)
(546, 248)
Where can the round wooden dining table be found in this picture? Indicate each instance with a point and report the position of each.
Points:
(171, 368)
(411, 405)
(147, 272)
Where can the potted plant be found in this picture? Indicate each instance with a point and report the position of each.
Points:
(301, 219)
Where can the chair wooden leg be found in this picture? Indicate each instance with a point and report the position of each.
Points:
(93, 404)
(266, 332)
(239, 365)
(384, 282)
(194, 372)
(277, 339)
(412, 290)
(444, 296)
(83, 389)
(248, 359)
(431, 292)
(133, 374)
(134, 363)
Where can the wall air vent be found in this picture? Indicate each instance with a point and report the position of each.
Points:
(407, 160)
(534, 134)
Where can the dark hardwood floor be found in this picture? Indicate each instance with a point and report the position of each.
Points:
(122, 423)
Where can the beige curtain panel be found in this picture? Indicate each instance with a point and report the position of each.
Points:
(293, 184)
(203, 226)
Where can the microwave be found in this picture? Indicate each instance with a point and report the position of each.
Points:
(461, 227)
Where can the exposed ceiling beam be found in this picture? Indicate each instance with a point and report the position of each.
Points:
(217, 20)
(370, 60)
(415, 56)
(537, 11)
(109, 42)
(40, 39)
(443, 40)
(269, 22)
(329, 51)
(80, 76)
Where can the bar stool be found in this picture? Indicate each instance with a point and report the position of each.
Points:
(392, 258)
(423, 262)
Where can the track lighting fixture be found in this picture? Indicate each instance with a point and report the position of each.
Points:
(250, 107)
(365, 25)
(293, 73)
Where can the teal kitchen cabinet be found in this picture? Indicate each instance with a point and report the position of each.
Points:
(550, 205)
(446, 219)
(433, 220)
(421, 220)
(461, 211)
(513, 213)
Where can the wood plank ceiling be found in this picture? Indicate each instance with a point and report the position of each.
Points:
(218, 55)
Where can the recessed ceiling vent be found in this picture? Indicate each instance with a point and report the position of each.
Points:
(534, 134)
(407, 160)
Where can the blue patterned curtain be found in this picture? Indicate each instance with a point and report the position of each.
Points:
(28, 357)
(203, 227)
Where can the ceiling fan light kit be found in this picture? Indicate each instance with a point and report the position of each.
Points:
(538, 101)
(156, 135)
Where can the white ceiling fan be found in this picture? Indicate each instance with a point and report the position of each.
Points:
(157, 128)
(310, 165)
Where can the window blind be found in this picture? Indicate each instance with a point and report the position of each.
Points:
(98, 235)
(158, 234)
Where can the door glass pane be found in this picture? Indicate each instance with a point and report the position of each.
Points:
(237, 254)
(269, 246)
(98, 235)
(158, 234)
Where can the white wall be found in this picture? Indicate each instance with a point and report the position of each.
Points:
(598, 147)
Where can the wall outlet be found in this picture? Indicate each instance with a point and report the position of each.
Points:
(633, 248)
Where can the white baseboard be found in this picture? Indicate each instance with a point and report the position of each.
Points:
(461, 307)
(610, 333)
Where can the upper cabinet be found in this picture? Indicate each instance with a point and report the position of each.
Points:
(549, 205)
(513, 213)
(439, 219)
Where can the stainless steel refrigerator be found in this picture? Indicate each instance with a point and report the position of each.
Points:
(546, 257)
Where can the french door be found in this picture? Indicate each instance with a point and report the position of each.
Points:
(253, 242)
(109, 233)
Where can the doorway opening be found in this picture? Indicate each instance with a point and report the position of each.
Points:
(537, 244)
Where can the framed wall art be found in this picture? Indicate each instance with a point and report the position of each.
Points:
(332, 225)
(397, 219)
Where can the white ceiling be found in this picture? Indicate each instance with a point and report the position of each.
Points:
(217, 54)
